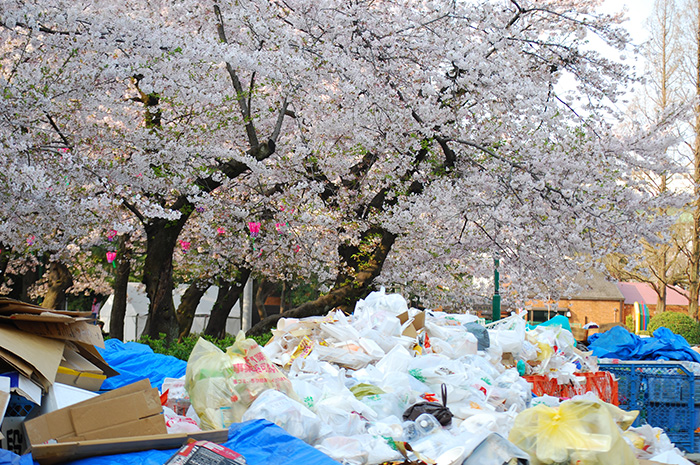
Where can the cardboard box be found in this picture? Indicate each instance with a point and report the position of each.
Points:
(205, 453)
(132, 410)
(76, 370)
(33, 356)
(411, 325)
(67, 452)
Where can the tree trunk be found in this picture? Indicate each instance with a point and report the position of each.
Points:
(694, 259)
(60, 279)
(161, 237)
(188, 306)
(661, 302)
(121, 286)
(225, 301)
(4, 261)
(348, 289)
(265, 289)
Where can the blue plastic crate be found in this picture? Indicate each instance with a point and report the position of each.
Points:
(19, 406)
(664, 393)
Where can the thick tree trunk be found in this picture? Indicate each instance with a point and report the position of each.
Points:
(348, 289)
(121, 286)
(661, 294)
(161, 237)
(60, 279)
(4, 260)
(694, 259)
(225, 301)
(264, 290)
(188, 306)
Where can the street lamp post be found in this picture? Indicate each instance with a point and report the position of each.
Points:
(496, 303)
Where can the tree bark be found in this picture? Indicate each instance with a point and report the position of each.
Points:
(4, 261)
(348, 288)
(229, 294)
(60, 279)
(188, 306)
(121, 286)
(264, 290)
(694, 259)
(161, 237)
(661, 294)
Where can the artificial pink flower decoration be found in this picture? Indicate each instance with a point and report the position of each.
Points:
(220, 231)
(185, 245)
(111, 256)
(279, 227)
(297, 248)
(254, 227)
(30, 240)
(111, 234)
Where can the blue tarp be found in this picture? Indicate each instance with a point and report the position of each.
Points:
(136, 361)
(259, 441)
(619, 343)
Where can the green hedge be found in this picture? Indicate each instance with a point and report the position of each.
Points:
(182, 349)
(679, 323)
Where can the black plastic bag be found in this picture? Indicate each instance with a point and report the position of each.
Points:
(436, 409)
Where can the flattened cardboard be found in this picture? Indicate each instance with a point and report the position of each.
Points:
(78, 331)
(16, 363)
(110, 411)
(12, 306)
(46, 317)
(91, 354)
(50, 454)
(43, 354)
(122, 409)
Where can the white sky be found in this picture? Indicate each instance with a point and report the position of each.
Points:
(637, 11)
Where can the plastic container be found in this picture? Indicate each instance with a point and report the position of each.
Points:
(601, 383)
(664, 394)
(426, 424)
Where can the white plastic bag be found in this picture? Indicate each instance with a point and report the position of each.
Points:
(286, 413)
(380, 300)
(508, 333)
(179, 423)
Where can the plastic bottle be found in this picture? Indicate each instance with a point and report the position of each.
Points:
(427, 424)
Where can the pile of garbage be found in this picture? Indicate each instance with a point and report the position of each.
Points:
(391, 384)
(386, 385)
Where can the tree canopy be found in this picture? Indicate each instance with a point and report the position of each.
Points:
(390, 142)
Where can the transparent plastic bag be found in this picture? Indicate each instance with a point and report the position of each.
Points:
(286, 413)
(574, 432)
(222, 385)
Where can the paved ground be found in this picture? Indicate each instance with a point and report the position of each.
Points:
(695, 458)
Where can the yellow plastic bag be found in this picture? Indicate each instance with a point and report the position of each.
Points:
(577, 432)
(222, 385)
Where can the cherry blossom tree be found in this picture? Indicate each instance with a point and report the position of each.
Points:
(413, 140)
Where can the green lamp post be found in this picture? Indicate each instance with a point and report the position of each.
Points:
(496, 303)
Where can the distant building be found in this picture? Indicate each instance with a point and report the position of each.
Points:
(645, 294)
(597, 301)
